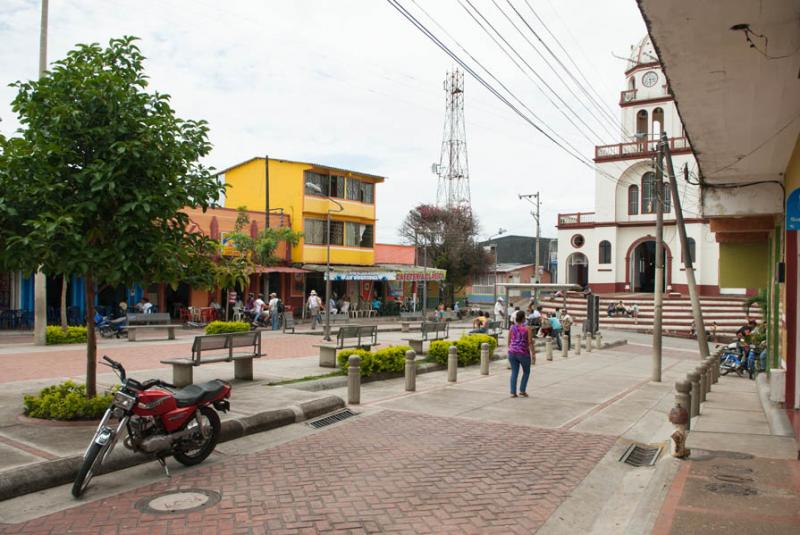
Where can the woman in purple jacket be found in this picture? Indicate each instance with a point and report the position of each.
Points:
(520, 353)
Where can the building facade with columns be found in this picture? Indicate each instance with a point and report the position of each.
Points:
(612, 249)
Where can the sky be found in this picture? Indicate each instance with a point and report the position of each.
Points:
(353, 84)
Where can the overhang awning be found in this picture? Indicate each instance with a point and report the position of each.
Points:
(280, 269)
(384, 272)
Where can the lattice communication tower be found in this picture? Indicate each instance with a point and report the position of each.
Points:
(453, 167)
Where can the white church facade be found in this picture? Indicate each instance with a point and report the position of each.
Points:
(612, 249)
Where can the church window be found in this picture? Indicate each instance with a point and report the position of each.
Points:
(641, 124)
(649, 193)
(633, 200)
(691, 247)
(658, 122)
(605, 252)
(667, 198)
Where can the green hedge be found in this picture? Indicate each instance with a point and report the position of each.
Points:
(66, 401)
(387, 360)
(468, 348)
(222, 327)
(74, 335)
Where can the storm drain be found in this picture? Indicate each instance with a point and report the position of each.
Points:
(343, 414)
(640, 455)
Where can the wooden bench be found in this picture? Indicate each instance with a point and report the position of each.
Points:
(407, 318)
(349, 336)
(182, 368)
(429, 331)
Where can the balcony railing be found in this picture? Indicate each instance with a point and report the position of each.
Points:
(629, 95)
(637, 149)
(576, 219)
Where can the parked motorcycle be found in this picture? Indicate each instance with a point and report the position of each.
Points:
(733, 358)
(108, 327)
(756, 360)
(160, 419)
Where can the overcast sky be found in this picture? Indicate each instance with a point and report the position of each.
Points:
(351, 83)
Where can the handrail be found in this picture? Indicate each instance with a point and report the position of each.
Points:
(639, 148)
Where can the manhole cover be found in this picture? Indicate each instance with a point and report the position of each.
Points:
(731, 489)
(178, 501)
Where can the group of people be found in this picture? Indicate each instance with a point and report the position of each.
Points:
(262, 312)
(621, 309)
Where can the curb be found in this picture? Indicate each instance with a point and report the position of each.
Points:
(40, 476)
(776, 418)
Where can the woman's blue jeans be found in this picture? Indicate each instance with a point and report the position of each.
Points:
(516, 361)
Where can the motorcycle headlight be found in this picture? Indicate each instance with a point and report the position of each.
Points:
(124, 401)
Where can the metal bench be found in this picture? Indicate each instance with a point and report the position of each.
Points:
(349, 336)
(407, 318)
(429, 331)
(494, 329)
(288, 321)
(182, 368)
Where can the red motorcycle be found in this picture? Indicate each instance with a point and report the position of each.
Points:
(160, 420)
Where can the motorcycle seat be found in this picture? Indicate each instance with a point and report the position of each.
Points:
(198, 393)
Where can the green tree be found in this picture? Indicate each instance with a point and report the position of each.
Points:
(96, 178)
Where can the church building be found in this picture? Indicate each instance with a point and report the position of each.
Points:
(612, 249)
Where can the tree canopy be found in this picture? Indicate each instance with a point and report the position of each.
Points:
(449, 236)
(95, 181)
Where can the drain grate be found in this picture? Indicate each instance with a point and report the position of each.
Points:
(343, 414)
(640, 455)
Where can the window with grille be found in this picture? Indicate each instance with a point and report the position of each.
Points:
(691, 244)
(353, 189)
(367, 192)
(358, 235)
(316, 183)
(337, 186)
(314, 231)
(633, 200)
(667, 198)
(605, 252)
(649, 193)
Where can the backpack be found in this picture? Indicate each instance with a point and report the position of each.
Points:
(280, 306)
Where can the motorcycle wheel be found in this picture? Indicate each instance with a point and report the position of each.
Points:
(90, 464)
(197, 455)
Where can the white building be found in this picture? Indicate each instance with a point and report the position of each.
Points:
(612, 249)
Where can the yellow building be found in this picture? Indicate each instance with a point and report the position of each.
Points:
(308, 193)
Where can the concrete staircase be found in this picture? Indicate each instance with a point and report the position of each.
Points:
(727, 312)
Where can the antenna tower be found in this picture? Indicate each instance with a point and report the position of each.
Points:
(453, 167)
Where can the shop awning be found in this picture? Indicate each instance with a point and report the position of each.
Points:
(380, 272)
(280, 269)
(416, 273)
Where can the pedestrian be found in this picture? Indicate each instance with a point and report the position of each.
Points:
(499, 310)
(555, 325)
(509, 315)
(566, 326)
(520, 354)
(635, 313)
(274, 310)
(258, 309)
(314, 305)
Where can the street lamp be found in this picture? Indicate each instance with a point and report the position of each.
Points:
(500, 232)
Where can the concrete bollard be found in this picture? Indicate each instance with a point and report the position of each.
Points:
(589, 342)
(599, 340)
(683, 396)
(411, 370)
(712, 369)
(709, 375)
(703, 378)
(578, 343)
(548, 347)
(564, 350)
(694, 379)
(452, 364)
(484, 359)
(354, 380)
(715, 368)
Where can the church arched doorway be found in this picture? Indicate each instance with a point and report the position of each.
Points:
(643, 267)
(578, 269)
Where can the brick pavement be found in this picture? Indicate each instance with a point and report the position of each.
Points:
(387, 472)
(71, 360)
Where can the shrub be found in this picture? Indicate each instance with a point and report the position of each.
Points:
(468, 349)
(74, 335)
(222, 327)
(387, 360)
(66, 401)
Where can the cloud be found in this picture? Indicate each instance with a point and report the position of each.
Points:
(352, 84)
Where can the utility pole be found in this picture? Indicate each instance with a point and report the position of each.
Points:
(535, 215)
(658, 291)
(39, 278)
(697, 312)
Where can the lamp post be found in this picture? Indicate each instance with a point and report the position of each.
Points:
(500, 232)
(328, 270)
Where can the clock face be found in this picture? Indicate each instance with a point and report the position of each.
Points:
(650, 78)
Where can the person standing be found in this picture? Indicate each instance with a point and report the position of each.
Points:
(258, 309)
(520, 354)
(499, 310)
(274, 312)
(555, 325)
(314, 305)
(566, 326)
(510, 315)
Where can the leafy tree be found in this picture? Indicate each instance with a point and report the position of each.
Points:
(449, 236)
(96, 178)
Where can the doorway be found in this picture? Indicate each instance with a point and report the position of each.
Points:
(643, 267)
(578, 270)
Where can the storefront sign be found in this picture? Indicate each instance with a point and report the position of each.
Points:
(432, 276)
(363, 276)
(793, 210)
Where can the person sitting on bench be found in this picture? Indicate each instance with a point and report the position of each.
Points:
(480, 324)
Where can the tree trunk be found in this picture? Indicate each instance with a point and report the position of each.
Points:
(64, 303)
(91, 341)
